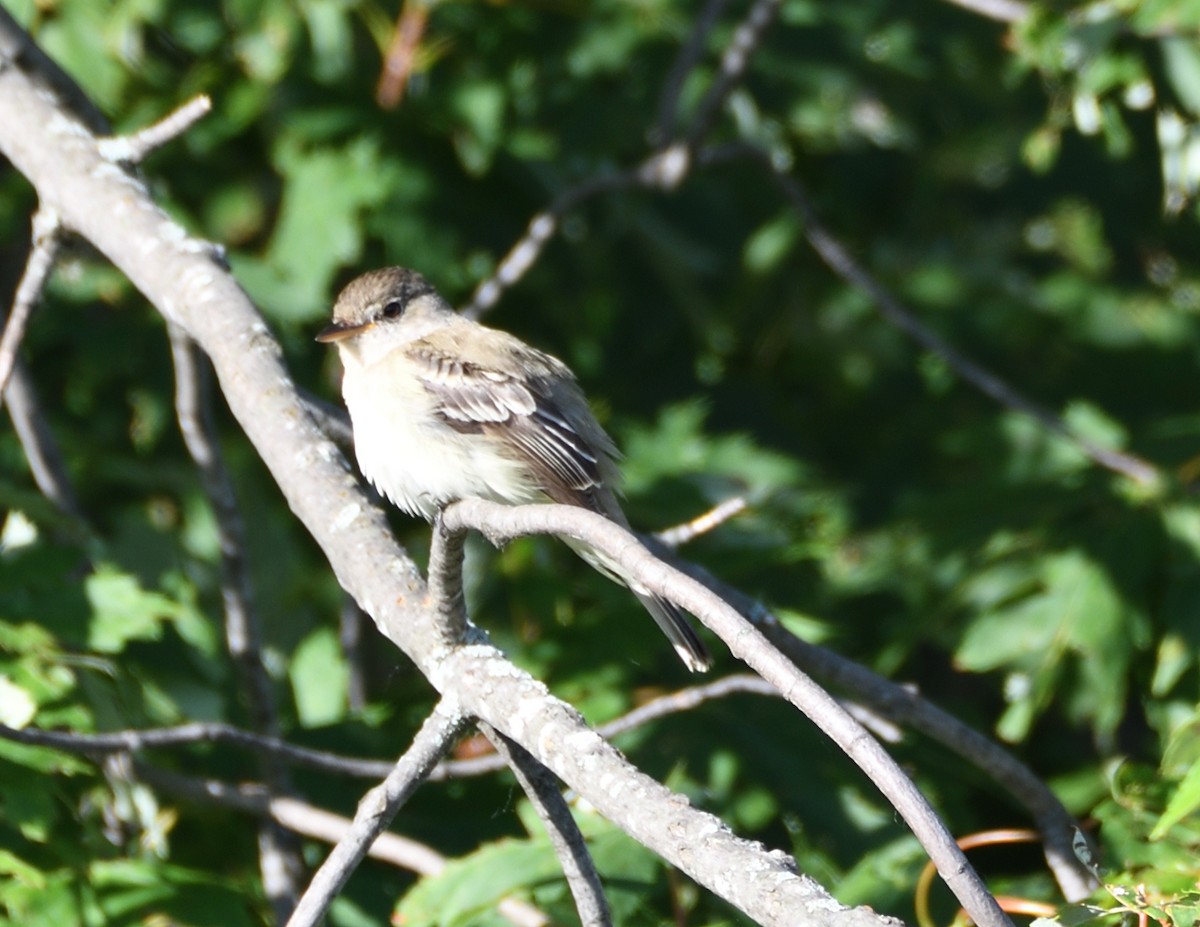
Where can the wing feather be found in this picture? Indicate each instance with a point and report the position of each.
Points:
(535, 417)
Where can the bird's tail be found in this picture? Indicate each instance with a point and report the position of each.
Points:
(669, 617)
(679, 631)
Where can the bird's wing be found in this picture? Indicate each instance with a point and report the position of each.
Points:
(526, 413)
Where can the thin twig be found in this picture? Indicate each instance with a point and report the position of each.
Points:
(541, 229)
(734, 61)
(376, 810)
(280, 860)
(838, 258)
(685, 700)
(500, 523)
(46, 237)
(135, 147)
(136, 741)
(197, 732)
(543, 792)
(688, 57)
(319, 824)
(678, 535)
(664, 169)
(41, 450)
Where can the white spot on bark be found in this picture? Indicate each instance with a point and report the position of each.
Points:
(345, 518)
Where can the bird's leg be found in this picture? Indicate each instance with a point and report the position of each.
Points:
(446, 581)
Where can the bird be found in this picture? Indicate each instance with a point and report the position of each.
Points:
(444, 408)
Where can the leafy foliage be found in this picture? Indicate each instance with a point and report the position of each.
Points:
(1027, 191)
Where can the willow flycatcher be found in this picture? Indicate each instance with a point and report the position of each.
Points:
(444, 408)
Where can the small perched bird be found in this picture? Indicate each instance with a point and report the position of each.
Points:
(444, 408)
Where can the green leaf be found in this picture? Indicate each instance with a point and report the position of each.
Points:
(122, 611)
(29, 876)
(1075, 610)
(319, 229)
(480, 105)
(319, 677)
(469, 887)
(1184, 801)
(770, 244)
(1182, 60)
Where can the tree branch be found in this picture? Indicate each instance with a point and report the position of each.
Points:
(678, 535)
(500, 523)
(690, 54)
(182, 735)
(734, 61)
(37, 441)
(838, 258)
(445, 582)
(279, 859)
(46, 237)
(542, 790)
(906, 706)
(376, 810)
(133, 148)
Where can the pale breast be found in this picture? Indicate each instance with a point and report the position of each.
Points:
(411, 456)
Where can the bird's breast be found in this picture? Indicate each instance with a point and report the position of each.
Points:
(412, 456)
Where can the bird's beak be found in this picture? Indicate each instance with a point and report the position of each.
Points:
(340, 331)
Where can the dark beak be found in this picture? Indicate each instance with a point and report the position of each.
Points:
(340, 331)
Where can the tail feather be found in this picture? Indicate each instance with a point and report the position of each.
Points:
(669, 617)
(679, 631)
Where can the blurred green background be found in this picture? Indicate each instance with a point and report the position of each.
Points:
(1025, 189)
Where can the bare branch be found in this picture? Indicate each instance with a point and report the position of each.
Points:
(279, 862)
(501, 523)
(41, 450)
(678, 535)
(734, 61)
(686, 700)
(838, 258)
(529, 247)
(134, 148)
(242, 631)
(688, 57)
(664, 168)
(47, 235)
(376, 810)
(135, 741)
(543, 793)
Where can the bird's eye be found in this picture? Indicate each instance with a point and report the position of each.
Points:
(392, 309)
